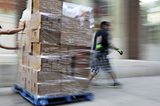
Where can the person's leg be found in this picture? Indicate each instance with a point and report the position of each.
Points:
(92, 75)
(94, 67)
(113, 76)
(108, 69)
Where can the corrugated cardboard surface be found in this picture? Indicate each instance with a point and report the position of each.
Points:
(50, 6)
(46, 36)
(75, 33)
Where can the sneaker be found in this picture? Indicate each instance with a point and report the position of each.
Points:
(117, 85)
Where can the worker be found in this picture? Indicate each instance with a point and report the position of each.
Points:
(100, 52)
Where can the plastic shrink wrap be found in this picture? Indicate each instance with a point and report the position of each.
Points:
(54, 54)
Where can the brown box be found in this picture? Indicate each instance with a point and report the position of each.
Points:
(46, 67)
(22, 77)
(50, 6)
(56, 65)
(47, 89)
(75, 33)
(44, 56)
(28, 38)
(43, 64)
(74, 86)
(71, 38)
(75, 56)
(25, 61)
(23, 54)
(83, 59)
(45, 49)
(28, 77)
(46, 20)
(46, 77)
(35, 62)
(46, 83)
(51, 21)
(46, 36)
(75, 50)
(82, 73)
(22, 81)
(81, 66)
(68, 59)
(50, 58)
(20, 52)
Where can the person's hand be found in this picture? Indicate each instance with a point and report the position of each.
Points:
(120, 51)
(99, 47)
(22, 24)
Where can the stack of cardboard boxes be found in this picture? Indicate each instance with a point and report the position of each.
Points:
(54, 57)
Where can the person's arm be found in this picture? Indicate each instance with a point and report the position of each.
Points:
(99, 39)
(115, 48)
(9, 48)
(13, 31)
(98, 43)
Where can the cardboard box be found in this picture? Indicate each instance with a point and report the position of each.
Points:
(71, 38)
(28, 85)
(45, 49)
(74, 86)
(75, 33)
(22, 78)
(76, 56)
(28, 38)
(47, 89)
(46, 36)
(81, 66)
(46, 20)
(20, 52)
(35, 62)
(46, 77)
(42, 65)
(25, 61)
(22, 82)
(46, 67)
(26, 50)
(83, 60)
(49, 58)
(49, 6)
(28, 77)
(56, 65)
(75, 50)
(74, 60)
(81, 73)
(23, 54)
(44, 56)
(46, 83)
(51, 21)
